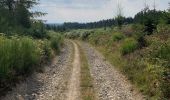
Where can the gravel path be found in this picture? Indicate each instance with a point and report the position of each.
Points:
(108, 82)
(74, 83)
(49, 85)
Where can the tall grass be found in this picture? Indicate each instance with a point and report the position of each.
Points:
(17, 56)
(20, 56)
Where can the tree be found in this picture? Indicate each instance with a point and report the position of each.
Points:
(119, 18)
(22, 15)
(16, 17)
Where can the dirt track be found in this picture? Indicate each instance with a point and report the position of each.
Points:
(61, 79)
(74, 84)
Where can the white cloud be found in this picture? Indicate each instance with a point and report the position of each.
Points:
(90, 10)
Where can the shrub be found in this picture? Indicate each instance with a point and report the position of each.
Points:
(128, 46)
(72, 34)
(47, 50)
(84, 35)
(17, 56)
(56, 41)
(117, 36)
(140, 37)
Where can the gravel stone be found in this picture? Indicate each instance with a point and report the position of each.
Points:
(109, 83)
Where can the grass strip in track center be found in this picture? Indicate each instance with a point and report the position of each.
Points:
(86, 84)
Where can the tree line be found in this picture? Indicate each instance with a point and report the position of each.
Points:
(148, 18)
(90, 25)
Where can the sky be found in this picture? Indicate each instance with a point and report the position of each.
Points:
(59, 11)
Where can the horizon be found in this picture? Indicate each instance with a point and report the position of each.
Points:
(85, 11)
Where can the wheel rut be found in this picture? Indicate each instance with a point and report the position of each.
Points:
(74, 84)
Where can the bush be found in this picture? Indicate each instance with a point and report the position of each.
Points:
(56, 41)
(129, 45)
(72, 34)
(85, 35)
(47, 50)
(140, 37)
(17, 56)
(117, 36)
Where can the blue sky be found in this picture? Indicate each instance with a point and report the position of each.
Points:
(60, 11)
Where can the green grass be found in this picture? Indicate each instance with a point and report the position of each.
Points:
(17, 55)
(117, 36)
(21, 55)
(128, 46)
(86, 84)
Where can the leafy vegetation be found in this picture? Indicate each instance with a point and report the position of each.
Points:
(129, 45)
(20, 56)
(17, 55)
(16, 18)
(117, 36)
(56, 41)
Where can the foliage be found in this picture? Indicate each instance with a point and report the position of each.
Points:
(140, 37)
(92, 25)
(150, 19)
(72, 34)
(85, 35)
(129, 45)
(38, 30)
(119, 19)
(17, 56)
(117, 36)
(163, 29)
(150, 26)
(56, 41)
(20, 56)
(16, 18)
